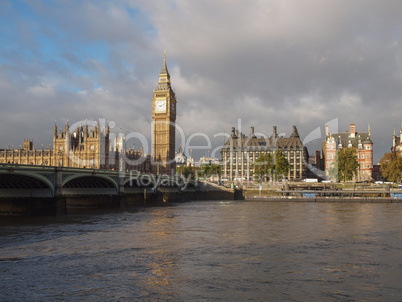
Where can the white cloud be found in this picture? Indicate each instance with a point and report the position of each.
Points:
(350, 101)
(266, 62)
(44, 89)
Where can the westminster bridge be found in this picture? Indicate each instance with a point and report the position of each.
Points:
(44, 190)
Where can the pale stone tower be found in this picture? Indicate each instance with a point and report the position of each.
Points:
(163, 124)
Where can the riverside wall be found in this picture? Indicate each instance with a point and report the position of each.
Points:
(60, 205)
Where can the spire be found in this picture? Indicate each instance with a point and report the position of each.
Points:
(86, 129)
(369, 130)
(164, 76)
(164, 68)
(55, 129)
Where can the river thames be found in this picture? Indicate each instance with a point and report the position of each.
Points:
(202, 251)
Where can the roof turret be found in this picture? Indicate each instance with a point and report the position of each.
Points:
(368, 141)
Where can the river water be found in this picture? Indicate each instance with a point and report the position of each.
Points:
(202, 251)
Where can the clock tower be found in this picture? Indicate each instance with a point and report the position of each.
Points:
(163, 124)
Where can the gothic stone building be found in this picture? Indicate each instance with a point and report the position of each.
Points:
(80, 148)
(83, 147)
(27, 155)
(240, 152)
(359, 141)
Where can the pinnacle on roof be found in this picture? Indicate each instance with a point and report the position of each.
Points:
(164, 70)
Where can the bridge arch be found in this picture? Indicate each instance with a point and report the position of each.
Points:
(90, 181)
(15, 179)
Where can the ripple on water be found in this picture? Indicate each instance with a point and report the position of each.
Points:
(201, 251)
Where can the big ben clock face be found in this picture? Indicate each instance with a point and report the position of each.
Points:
(160, 106)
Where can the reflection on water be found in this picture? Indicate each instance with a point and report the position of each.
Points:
(201, 251)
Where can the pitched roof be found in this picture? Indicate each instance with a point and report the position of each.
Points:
(345, 138)
(253, 142)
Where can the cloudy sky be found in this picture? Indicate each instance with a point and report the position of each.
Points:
(249, 63)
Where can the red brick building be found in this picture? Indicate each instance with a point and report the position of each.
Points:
(359, 141)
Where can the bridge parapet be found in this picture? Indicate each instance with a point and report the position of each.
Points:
(58, 179)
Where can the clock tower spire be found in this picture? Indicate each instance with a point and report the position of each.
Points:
(163, 124)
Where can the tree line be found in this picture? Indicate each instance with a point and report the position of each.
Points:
(274, 166)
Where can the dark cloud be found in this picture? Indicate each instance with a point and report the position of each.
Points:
(264, 62)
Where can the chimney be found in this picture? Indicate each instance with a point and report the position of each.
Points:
(251, 130)
(326, 130)
(233, 131)
(275, 134)
(237, 133)
(318, 159)
(352, 130)
(295, 132)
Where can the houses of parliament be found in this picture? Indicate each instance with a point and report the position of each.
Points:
(90, 146)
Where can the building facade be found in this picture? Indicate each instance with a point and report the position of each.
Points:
(164, 124)
(241, 151)
(359, 141)
(84, 147)
(182, 160)
(27, 154)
